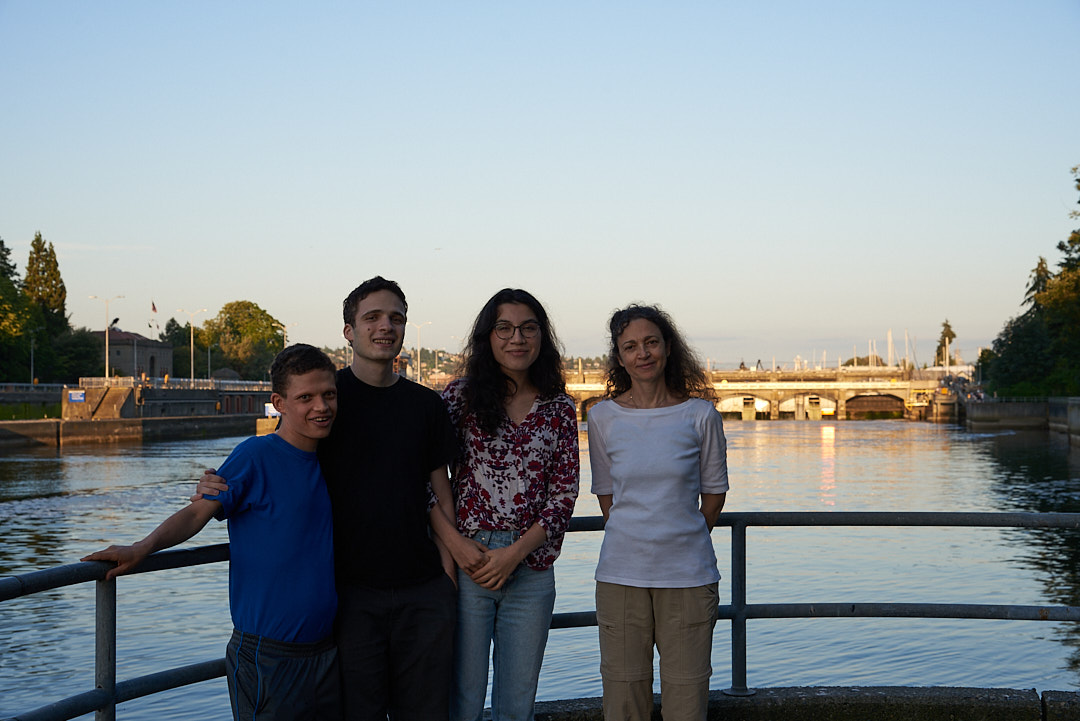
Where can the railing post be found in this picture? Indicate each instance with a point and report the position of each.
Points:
(738, 606)
(105, 647)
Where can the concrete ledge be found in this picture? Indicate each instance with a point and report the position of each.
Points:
(852, 703)
(1061, 706)
(15, 434)
(28, 434)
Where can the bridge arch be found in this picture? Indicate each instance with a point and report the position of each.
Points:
(875, 405)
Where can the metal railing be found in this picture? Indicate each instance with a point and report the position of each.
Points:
(31, 387)
(108, 692)
(175, 383)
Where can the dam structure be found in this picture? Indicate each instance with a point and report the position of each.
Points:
(822, 394)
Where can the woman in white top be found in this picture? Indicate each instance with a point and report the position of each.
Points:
(659, 469)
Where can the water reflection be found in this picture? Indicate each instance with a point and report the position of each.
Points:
(828, 465)
(1040, 472)
(56, 507)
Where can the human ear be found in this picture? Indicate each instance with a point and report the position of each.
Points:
(277, 401)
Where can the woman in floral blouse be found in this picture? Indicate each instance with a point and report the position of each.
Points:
(514, 492)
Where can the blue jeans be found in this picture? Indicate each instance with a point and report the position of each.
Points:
(516, 618)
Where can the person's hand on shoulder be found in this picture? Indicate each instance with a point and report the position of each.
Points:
(209, 485)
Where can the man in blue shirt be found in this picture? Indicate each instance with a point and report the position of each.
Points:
(281, 662)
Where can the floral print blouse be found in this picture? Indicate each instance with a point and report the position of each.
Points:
(525, 474)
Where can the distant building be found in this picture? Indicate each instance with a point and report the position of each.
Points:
(131, 355)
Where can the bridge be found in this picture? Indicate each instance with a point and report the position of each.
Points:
(843, 393)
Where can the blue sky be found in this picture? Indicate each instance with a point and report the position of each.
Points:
(785, 178)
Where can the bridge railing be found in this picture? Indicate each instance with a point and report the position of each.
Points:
(42, 388)
(175, 383)
(109, 692)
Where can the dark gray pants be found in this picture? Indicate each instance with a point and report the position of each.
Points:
(396, 647)
(273, 680)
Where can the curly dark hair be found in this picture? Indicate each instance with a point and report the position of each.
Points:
(297, 360)
(683, 374)
(487, 387)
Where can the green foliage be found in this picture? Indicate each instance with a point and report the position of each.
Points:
(7, 268)
(14, 319)
(1019, 357)
(248, 337)
(174, 334)
(864, 361)
(79, 354)
(45, 287)
(1038, 352)
(29, 411)
(946, 338)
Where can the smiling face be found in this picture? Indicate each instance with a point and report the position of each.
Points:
(642, 351)
(307, 408)
(517, 352)
(377, 332)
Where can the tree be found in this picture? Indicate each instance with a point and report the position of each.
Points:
(14, 319)
(1038, 352)
(1039, 278)
(1070, 248)
(79, 354)
(248, 336)
(45, 287)
(174, 334)
(947, 337)
(1020, 359)
(7, 268)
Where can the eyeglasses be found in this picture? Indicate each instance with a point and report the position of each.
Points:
(505, 331)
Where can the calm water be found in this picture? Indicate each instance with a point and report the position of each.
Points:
(54, 508)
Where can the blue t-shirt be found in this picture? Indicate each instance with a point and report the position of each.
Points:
(281, 546)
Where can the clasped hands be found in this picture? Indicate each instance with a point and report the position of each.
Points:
(488, 568)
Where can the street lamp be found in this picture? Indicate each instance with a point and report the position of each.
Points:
(419, 364)
(33, 334)
(107, 326)
(191, 324)
(284, 333)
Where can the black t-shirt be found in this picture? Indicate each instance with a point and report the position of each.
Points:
(378, 459)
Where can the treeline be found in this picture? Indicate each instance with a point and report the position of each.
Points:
(36, 337)
(38, 342)
(1037, 353)
(242, 337)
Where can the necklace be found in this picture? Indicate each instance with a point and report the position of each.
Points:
(661, 403)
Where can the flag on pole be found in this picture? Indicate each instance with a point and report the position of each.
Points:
(153, 307)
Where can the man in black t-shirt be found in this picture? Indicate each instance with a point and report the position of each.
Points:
(391, 443)
(387, 452)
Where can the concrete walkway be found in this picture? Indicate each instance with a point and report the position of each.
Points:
(851, 703)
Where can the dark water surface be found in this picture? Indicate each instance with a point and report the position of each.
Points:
(56, 507)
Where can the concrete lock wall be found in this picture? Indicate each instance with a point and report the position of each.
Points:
(1016, 415)
(15, 434)
(858, 704)
(57, 433)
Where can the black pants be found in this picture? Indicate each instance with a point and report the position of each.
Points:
(272, 680)
(396, 649)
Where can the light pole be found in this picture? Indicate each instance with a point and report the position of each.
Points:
(284, 333)
(107, 325)
(33, 334)
(419, 364)
(191, 325)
